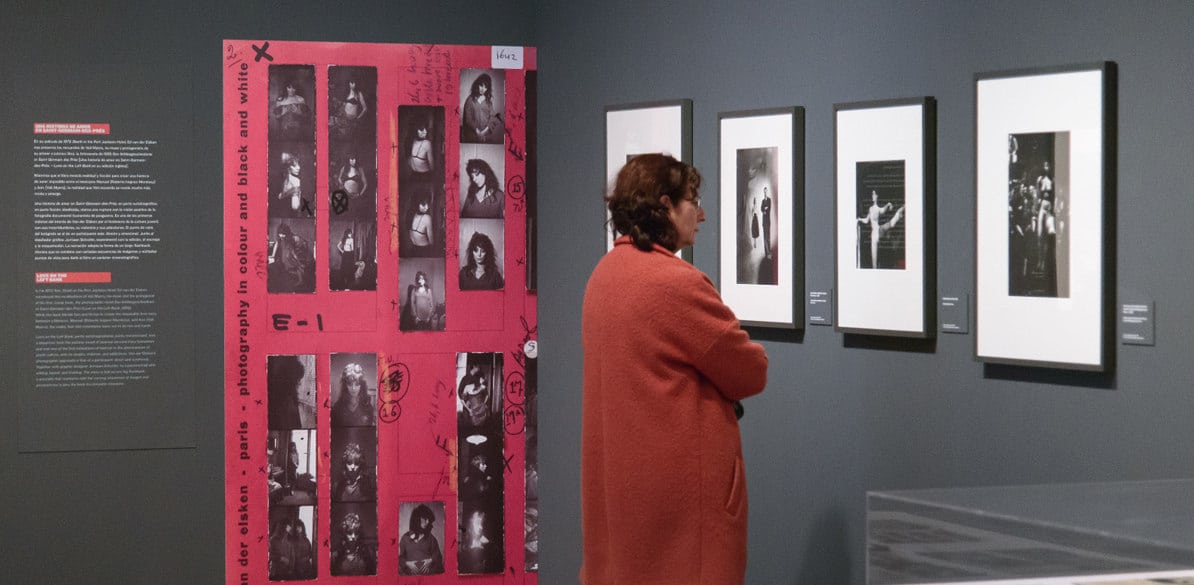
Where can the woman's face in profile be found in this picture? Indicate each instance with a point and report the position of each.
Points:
(479, 254)
(422, 133)
(294, 167)
(478, 177)
(424, 207)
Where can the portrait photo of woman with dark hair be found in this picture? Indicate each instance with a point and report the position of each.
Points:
(291, 181)
(481, 110)
(423, 307)
(354, 401)
(352, 99)
(352, 178)
(421, 128)
(354, 467)
(473, 393)
(419, 551)
(423, 221)
(353, 253)
(291, 258)
(292, 91)
(481, 188)
(354, 540)
(480, 268)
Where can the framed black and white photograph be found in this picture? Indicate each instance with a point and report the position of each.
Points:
(885, 217)
(634, 129)
(1045, 216)
(761, 165)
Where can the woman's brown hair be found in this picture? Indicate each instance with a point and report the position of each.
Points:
(634, 203)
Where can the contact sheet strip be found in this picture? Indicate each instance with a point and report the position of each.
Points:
(380, 342)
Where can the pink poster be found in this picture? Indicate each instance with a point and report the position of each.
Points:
(380, 338)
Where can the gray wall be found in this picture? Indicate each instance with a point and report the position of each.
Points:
(836, 420)
(840, 416)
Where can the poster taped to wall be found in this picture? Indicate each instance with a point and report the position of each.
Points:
(379, 367)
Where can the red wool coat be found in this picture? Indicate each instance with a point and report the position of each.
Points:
(662, 484)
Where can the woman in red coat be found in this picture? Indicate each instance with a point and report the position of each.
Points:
(665, 361)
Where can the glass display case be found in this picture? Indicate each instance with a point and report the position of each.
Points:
(1129, 532)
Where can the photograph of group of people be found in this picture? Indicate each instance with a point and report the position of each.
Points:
(291, 452)
(291, 181)
(353, 464)
(480, 485)
(352, 178)
(881, 214)
(1038, 215)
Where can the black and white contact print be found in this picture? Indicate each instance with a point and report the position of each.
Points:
(292, 475)
(482, 106)
(422, 305)
(421, 547)
(293, 555)
(482, 254)
(291, 385)
(480, 462)
(482, 181)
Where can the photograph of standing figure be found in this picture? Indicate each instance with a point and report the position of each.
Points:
(881, 215)
(758, 182)
(1038, 248)
(483, 103)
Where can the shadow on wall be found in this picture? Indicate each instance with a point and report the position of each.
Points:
(828, 553)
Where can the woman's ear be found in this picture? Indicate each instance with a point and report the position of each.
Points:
(666, 201)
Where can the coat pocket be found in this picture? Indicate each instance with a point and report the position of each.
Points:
(733, 503)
